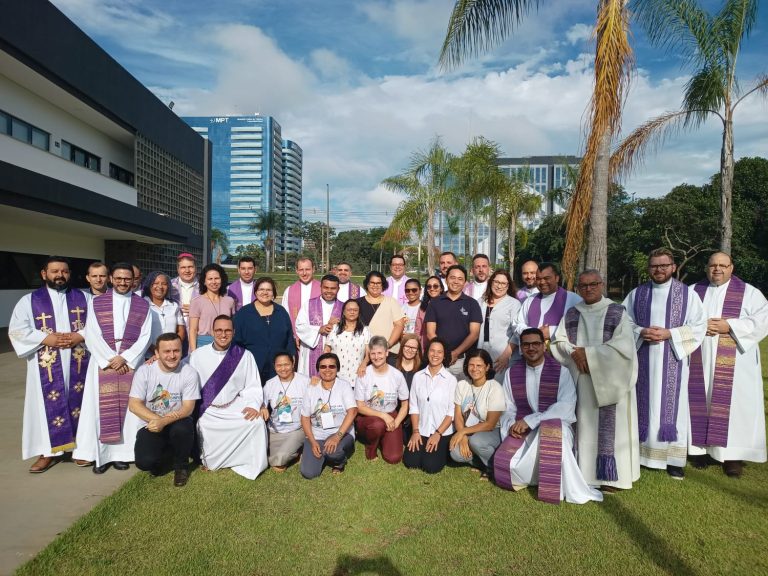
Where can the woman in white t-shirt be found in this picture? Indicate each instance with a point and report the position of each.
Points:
(283, 397)
(166, 314)
(431, 408)
(349, 341)
(478, 406)
(377, 394)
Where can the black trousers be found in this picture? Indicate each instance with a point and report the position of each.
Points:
(150, 446)
(430, 462)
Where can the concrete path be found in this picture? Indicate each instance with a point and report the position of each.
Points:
(37, 507)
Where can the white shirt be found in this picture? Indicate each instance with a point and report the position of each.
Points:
(432, 399)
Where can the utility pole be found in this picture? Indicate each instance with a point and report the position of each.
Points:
(328, 228)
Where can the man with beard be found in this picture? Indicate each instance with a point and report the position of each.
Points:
(117, 335)
(528, 272)
(348, 290)
(481, 269)
(242, 290)
(46, 329)
(396, 280)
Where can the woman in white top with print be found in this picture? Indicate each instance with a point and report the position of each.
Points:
(377, 393)
(431, 407)
(499, 307)
(283, 395)
(166, 314)
(478, 407)
(349, 341)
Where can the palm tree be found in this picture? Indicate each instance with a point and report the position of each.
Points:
(218, 239)
(710, 46)
(425, 185)
(268, 222)
(516, 200)
(478, 26)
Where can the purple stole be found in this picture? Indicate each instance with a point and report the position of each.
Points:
(294, 299)
(677, 305)
(235, 291)
(709, 426)
(114, 387)
(400, 296)
(316, 319)
(550, 431)
(606, 435)
(62, 407)
(220, 377)
(553, 315)
(354, 291)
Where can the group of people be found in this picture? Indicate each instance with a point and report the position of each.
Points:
(532, 386)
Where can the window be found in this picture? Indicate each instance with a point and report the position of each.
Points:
(23, 131)
(120, 174)
(80, 157)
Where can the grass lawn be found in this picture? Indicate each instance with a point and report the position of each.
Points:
(386, 520)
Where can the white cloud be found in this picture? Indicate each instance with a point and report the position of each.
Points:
(330, 66)
(579, 33)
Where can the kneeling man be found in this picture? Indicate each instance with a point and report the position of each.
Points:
(537, 445)
(231, 428)
(163, 394)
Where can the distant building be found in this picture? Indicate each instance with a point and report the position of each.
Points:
(248, 176)
(92, 165)
(289, 202)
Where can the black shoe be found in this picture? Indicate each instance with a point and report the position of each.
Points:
(101, 469)
(733, 468)
(699, 462)
(180, 477)
(676, 472)
(120, 465)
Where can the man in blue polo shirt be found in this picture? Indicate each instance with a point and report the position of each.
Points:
(455, 317)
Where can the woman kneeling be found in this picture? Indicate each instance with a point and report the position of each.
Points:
(379, 422)
(327, 414)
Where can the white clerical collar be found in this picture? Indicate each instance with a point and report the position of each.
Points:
(327, 303)
(116, 293)
(546, 296)
(536, 369)
(186, 284)
(56, 293)
(244, 283)
(220, 352)
(662, 285)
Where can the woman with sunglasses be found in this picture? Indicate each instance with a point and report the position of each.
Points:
(499, 307)
(432, 289)
(431, 408)
(328, 413)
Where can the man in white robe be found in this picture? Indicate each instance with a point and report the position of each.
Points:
(315, 321)
(523, 469)
(348, 290)
(667, 331)
(232, 430)
(396, 279)
(107, 436)
(43, 340)
(242, 290)
(546, 308)
(596, 343)
(528, 272)
(185, 287)
(481, 270)
(299, 293)
(738, 321)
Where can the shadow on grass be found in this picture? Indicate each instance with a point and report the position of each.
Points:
(731, 486)
(347, 565)
(649, 543)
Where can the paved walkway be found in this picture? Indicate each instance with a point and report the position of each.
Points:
(37, 507)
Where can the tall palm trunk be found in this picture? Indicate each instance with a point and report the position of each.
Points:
(512, 232)
(430, 240)
(493, 231)
(597, 247)
(726, 180)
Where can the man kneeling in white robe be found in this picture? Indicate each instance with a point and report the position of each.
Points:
(231, 428)
(541, 403)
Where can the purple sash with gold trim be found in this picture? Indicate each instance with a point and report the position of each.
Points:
(62, 405)
(550, 456)
(606, 435)
(294, 299)
(672, 368)
(553, 315)
(316, 319)
(709, 425)
(354, 291)
(220, 376)
(113, 387)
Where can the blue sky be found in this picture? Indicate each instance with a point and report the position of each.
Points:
(357, 86)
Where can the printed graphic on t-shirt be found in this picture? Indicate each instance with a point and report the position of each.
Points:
(162, 400)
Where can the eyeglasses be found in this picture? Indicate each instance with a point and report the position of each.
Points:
(500, 284)
(414, 348)
(589, 286)
(122, 280)
(264, 290)
(531, 344)
(372, 283)
(660, 266)
(411, 290)
(327, 367)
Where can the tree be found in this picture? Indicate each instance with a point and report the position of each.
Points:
(516, 200)
(218, 239)
(709, 45)
(268, 222)
(477, 26)
(314, 236)
(425, 186)
(252, 250)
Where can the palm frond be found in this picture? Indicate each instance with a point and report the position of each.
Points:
(477, 26)
(704, 93)
(733, 23)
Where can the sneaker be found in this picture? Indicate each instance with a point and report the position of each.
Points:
(676, 472)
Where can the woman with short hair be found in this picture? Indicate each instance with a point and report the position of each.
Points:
(377, 394)
(382, 314)
(166, 314)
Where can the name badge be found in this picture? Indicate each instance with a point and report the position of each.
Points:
(472, 419)
(326, 420)
(285, 417)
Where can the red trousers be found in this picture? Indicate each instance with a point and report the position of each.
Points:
(372, 431)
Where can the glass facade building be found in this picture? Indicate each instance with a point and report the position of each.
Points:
(248, 177)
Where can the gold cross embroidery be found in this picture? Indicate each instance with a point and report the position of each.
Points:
(43, 317)
(77, 324)
(47, 358)
(53, 395)
(58, 421)
(79, 387)
(78, 353)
